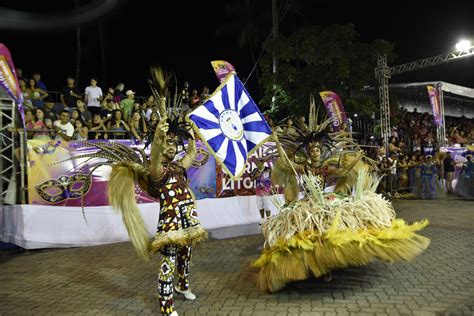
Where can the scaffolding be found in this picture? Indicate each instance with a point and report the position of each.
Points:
(383, 72)
(12, 154)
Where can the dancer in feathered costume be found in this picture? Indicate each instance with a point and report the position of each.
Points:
(164, 179)
(324, 231)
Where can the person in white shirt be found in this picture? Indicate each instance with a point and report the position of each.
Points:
(64, 129)
(93, 97)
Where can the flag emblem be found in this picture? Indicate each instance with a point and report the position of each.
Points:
(231, 125)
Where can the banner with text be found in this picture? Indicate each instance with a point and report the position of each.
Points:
(245, 185)
(8, 78)
(334, 108)
(435, 105)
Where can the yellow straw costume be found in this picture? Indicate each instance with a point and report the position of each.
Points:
(326, 231)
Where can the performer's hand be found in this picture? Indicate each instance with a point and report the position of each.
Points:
(162, 128)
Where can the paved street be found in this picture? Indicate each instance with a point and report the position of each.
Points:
(112, 280)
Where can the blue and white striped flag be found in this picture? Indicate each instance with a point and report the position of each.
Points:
(231, 125)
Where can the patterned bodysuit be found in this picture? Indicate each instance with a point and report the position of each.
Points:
(178, 228)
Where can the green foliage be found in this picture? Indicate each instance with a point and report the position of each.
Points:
(316, 58)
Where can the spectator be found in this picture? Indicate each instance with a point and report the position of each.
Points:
(86, 116)
(205, 94)
(137, 126)
(75, 115)
(37, 77)
(195, 99)
(25, 91)
(448, 166)
(154, 119)
(108, 97)
(29, 123)
(98, 130)
(288, 128)
(70, 94)
(93, 97)
(108, 110)
(81, 131)
(117, 125)
(19, 74)
(49, 110)
(118, 93)
(41, 126)
(37, 95)
(127, 104)
(150, 106)
(64, 128)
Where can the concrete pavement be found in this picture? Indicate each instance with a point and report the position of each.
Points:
(111, 280)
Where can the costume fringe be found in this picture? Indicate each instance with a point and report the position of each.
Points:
(325, 231)
(121, 191)
(308, 254)
(182, 237)
(284, 176)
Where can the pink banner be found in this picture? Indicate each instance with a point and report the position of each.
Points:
(334, 108)
(222, 68)
(435, 105)
(8, 77)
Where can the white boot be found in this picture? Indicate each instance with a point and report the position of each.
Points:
(174, 313)
(187, 294)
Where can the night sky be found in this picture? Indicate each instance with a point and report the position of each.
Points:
(183, 37)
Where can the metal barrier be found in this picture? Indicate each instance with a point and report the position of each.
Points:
(56, 97)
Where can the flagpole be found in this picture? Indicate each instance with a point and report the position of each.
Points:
(275, 35)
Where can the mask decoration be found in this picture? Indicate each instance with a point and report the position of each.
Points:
(47, 148)
(63, 188)
(201, 158)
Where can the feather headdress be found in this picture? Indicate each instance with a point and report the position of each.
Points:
(168, 107)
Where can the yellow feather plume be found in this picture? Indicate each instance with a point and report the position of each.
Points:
(121, 190)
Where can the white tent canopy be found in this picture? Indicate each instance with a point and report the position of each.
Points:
(445, 86)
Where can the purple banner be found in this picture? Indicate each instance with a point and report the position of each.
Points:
(435, 105)
(53, 183)
(9, 79)
(335, 109)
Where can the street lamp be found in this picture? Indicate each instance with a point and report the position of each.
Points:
(463, 45)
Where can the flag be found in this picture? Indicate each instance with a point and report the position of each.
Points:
(435, 105)
(231, 125)
(222, 68)
(334, 108)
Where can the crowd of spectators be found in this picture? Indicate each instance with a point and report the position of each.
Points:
(412, 143)
(93, 113)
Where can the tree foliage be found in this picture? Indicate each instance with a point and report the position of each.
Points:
(317, 58)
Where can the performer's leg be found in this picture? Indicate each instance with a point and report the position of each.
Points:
(261, 208)
(184, 258)
(165, 279)
(449, 181)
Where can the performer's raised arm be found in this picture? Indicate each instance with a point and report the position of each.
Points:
(157, 148)
(191, 155)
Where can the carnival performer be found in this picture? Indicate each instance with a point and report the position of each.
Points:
(178, 226)
(465, 185)
(263, 186)
(164, 179)
(316, 232)
(428, 185)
